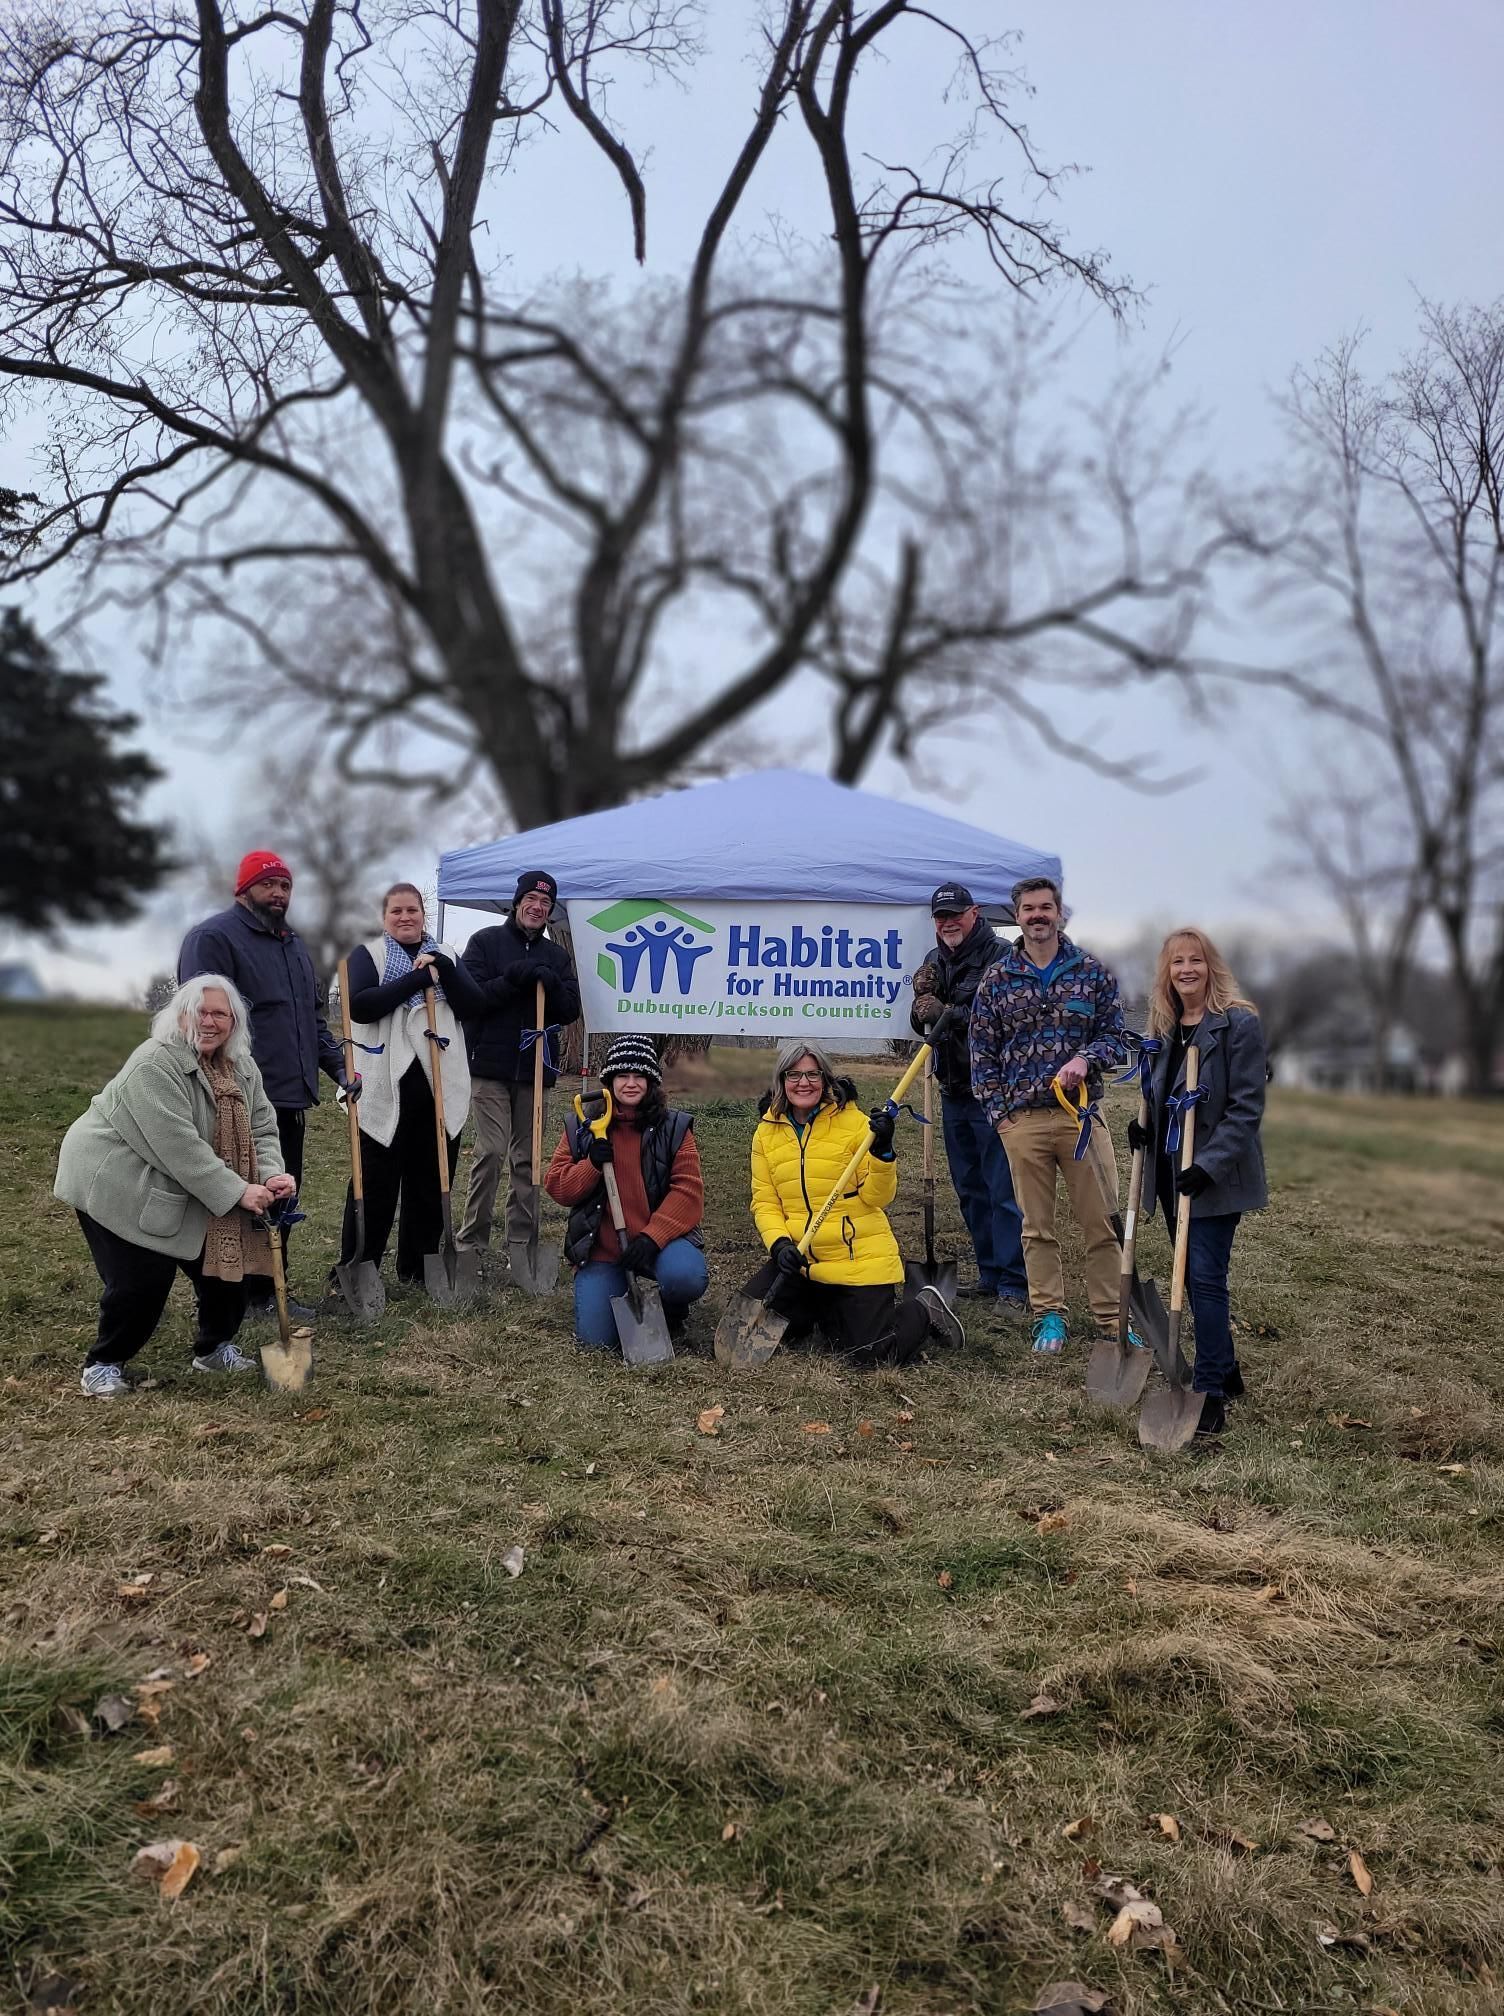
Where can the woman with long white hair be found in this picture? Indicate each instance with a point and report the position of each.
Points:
(1195, 1003)
(175, 1165)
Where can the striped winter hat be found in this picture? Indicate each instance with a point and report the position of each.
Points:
(633, 1053)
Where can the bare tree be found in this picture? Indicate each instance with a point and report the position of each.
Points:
(245, 261)
(1395, 562)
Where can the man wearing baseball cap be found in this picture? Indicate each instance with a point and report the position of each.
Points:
(944, 987)
(253, 944)
(507, 961)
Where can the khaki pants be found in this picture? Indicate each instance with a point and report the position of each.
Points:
(503, 1114)
(1040, 1145)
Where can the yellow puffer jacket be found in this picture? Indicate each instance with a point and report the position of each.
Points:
(794, 1173)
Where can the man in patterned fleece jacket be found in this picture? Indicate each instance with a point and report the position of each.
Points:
(1047, 1012)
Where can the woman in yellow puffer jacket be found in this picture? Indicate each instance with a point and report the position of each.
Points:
(811, 1127)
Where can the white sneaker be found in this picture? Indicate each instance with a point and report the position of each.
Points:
(103, 1382)
(227, 1358)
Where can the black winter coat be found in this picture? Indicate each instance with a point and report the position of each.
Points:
(499, 960)
(957, 976)
(290, 1040)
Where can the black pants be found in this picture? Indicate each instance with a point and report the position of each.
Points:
(290, 1125)
(405, 1169)
(870, 1326)
(137, 1284)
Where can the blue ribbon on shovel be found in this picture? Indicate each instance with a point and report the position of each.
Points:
(1083, 1111)
(1177, 1107)
(1149, 1047)
(529, 1037)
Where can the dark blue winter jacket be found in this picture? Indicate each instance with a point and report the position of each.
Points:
(289, 1038)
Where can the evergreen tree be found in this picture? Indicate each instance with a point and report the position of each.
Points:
(75, 851)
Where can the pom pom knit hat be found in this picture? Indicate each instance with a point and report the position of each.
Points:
(633, 1053)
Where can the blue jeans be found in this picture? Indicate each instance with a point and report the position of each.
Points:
(682, 1279)
(984, 1185)
(1207, 1255)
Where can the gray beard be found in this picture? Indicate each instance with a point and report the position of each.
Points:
(275, 920)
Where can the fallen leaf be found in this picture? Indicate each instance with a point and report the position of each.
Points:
(1238, 1844)
(1054, 1522)
(196, 1665)
(709, 1420)
(732, 1831)
(226, 1859)
(163, 1800)
(1452, 1469)
(313, 1414)
(1138, 1914)
(1077, 1830)
(1080, 1917)
(279, 1601)
(155, 1760)
(257, 1626)
(1042, 1704)
(903, 1414)
(591, 1468)
(864, 1428)
(1347, 1421)
(1131, 1586)
(1167, 1824)
(114, 1711)
(946, 1579)
(1317, 1830)
(74, 1719)
(208, 1431)
(306, 1582)
(278, 1551)
(168, 1864)
(1358, 1870)
(1270, 1593)
(136, 1590)
(867, 2003)
(1329, 1935)
(513, 1560)
(817, 1427)
(1071, 1998)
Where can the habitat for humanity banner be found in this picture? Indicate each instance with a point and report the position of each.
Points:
(750, 969)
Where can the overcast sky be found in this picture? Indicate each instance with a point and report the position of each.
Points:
(1275, 175)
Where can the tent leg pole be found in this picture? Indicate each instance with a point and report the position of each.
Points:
(440, 932)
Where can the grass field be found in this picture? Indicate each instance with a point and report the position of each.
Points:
(749, 1732)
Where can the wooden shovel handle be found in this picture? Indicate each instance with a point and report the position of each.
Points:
(538, 1042)
(1183, 1208)
(356, 1178)
(437, 1063)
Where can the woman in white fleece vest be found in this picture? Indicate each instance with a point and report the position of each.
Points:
(389, 977)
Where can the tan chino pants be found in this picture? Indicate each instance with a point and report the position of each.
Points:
(503, 1114)
(1040, 1146)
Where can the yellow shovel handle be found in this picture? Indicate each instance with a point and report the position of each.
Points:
(850, 1170)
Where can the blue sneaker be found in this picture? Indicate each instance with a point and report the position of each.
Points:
(1050, 1332)
(1135, 1341)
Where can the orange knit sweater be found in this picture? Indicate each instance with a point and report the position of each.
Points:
(569, 1183)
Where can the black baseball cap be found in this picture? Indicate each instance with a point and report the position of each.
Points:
(950, 899)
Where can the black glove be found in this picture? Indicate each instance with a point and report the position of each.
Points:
(599, 1151)
(882, 1122)
(350, 1090)
(1191, 1182)
(787, 1258)
(640, 1254)
(1138, 1136)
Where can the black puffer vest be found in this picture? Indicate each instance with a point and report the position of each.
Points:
(660, 1144)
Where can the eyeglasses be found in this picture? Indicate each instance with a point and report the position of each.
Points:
(802, 1077)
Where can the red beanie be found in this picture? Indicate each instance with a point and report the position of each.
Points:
(256, 867)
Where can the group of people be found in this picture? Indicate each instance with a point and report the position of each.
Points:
(193, 1152)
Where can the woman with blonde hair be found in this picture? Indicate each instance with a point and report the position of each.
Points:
(1194, 1003)
(845, 1287)
(175, 1165)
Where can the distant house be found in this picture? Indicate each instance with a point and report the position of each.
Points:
(19, 982)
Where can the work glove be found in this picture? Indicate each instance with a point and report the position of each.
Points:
(599, 1151)
(929, 1008)
(349, 1092)
(1138, 1137)
(926, 980)
(1191, 1182)
(787, 1258)
(640, 1254)
(881, 1121)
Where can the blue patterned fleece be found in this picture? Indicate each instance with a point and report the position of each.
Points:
(1022, 1031)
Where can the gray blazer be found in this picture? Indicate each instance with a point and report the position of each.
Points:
(1232, 1076)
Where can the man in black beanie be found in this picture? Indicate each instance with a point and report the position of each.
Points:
(506, 962)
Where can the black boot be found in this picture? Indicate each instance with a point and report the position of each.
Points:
(1232, 1385)
(1213, 1416)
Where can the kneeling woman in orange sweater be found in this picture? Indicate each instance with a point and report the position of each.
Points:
(662, 1197)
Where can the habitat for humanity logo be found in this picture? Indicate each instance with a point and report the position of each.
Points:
(649, 935)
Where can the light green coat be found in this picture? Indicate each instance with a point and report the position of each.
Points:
(140, 1160)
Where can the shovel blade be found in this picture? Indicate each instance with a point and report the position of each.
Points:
(363, 1290)
(1116, 1377)
(287, 1366)
(941, 1274)
(748, 1334)
(644, 1330)
(451, 1277)
(534, 1268)
(1169, 1418)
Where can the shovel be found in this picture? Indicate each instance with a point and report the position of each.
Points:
(641, 1323)
(359, 1280)
(1169, 1418)
(287, 1363)
(1117, 1372)
(449, 1275)
(535, 1269)
(751, 1329)
(929, 1272)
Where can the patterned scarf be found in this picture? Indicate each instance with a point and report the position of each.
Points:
(234, 1245)
(399, 960)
